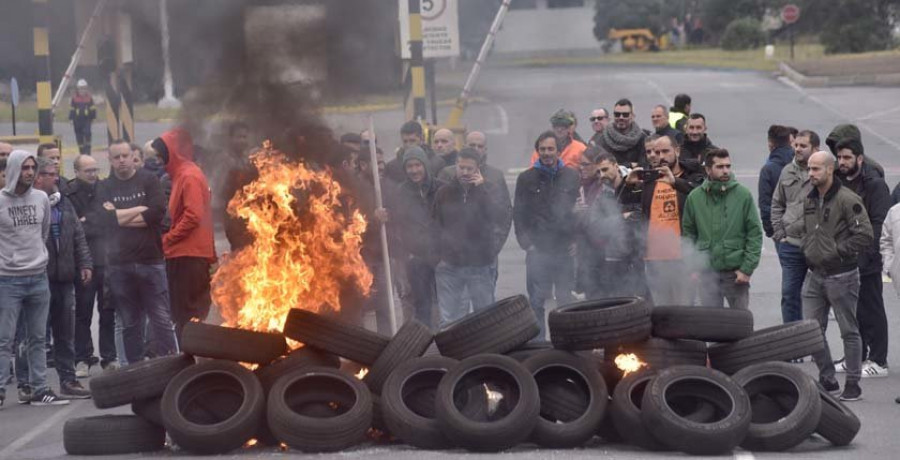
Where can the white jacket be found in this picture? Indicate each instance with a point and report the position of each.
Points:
(890, 243)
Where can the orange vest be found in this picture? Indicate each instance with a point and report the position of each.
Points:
(570, 156)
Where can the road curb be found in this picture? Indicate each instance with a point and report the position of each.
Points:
(890, 79)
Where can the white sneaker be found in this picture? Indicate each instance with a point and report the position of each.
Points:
(840, 366)
(871, 369)
(82, 370)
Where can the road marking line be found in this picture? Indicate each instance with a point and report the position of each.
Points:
(831, 109)
(504, 122)
(744, 456)
(879, 114)
(35, 432)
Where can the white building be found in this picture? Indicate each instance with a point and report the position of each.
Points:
(547, 25)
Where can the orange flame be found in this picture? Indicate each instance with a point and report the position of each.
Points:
(362, 373)
(629, 363)
(250, 443)
(305, 250)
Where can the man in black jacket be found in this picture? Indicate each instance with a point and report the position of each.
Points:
(467, 213)
(545, 226)
(70, 259)
(696, 142)
(860, 177)
(659, 118)
(82, 193)
(411, 135)
(780, 154)
(664, 189)
(624, 139)
(409, 213)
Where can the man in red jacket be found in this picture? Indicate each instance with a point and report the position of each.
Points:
(189, 245)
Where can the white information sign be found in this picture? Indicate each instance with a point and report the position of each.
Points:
(440, 28)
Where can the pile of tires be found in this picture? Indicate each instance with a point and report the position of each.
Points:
(710, 384)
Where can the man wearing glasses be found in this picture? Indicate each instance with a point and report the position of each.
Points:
(626, 139)
(599, 119)
(82, 194)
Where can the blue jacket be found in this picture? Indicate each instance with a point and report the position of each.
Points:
(768, 180)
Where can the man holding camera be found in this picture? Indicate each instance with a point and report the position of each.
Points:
(664, 188)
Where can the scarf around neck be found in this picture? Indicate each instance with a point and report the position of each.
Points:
(622, 141)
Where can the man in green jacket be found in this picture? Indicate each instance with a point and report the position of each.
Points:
(721, 221)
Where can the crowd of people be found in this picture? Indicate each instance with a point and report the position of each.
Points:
(656, 213)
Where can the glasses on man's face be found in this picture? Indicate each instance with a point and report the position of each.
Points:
(593, 119)
(622, 114)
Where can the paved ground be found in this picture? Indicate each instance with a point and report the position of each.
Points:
(739, 106)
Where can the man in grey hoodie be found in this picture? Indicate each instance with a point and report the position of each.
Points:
(25, 226)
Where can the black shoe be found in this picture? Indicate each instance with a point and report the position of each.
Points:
(830, 386)
(852, 392)
(25, 394)
(47, 398)
(2, 397)
(73, 390)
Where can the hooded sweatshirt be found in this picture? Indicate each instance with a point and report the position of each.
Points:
(414, 228)
(190, 204)
(24, 223)
(848, 131)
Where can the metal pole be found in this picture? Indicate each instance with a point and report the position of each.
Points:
(14, 118)
(456, 113)
(432, 89)
(73, 64)
(415, 100)
(379, 203)
(42, 69)
(169, 100)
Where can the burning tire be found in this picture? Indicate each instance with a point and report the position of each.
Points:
(498, 328)
(146, 379)
(627, 402)
(408, 401)
(707, 324)
(149, 410)
(600, 323)
(410, 342)
(300, 358)
(334, 336)
(778, 343)
(230, 343)
(573, 398)
(663, 353)
(790, 425)
(838, 424)
(720, 435)
(213, 407)
(513, 410)
(112, 435)
(318, 409)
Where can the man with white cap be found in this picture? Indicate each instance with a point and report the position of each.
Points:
(82, 115)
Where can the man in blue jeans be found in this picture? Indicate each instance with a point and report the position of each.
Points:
(25, 226)
(787, 224)
(132, 205)
(467, 212)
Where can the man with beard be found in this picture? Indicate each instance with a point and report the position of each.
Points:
(570, 148)
(659, 118)
(720, 219)
(787, 224)
(696, 142)
(861, 178)
(780, 154)
(542, 211)
(626, 139)
(411, 135)
(664, 189)
(836, 230)
(599, 120)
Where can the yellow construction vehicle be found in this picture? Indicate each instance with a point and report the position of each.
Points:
(638, 39)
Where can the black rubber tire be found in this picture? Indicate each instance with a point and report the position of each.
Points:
(627, 401)
(415, 424)
(112, 435)
(784, 431)
(707, 324)
(410, 342)
(317, 432)
(497, 328)
(600, 323)
(778, 343)
(529, 349)
(149, 409)
(301, 357)
(213, 407)
(554, 370)
(607, 430)
(146, 379)
(838, 424)
(663, 353)
(718, 436)
(232, 344)
(334, 336)
(488, 434)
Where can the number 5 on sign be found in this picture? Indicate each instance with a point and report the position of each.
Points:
(440, 28)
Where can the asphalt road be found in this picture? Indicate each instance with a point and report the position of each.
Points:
(739, 106)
